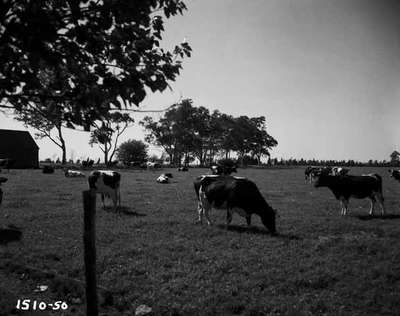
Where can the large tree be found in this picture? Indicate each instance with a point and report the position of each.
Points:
(102, 54)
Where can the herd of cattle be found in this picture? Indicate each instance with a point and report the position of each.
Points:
(221, 190)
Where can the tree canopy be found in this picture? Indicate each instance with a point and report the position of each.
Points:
(186, 131)
(88, 56)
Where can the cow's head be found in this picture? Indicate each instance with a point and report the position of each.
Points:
(321, 180)
(268, 219)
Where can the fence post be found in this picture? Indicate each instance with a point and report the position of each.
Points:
(89, 240)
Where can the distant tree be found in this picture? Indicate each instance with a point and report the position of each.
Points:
(101, 54)
(132, 150)
(395, 158)
(46, 119)
(107, 133)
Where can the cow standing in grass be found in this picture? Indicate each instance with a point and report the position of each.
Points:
(106, 182)
(236, 195)
(360, 187)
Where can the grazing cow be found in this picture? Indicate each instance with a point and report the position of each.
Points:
(6, 163)
(164, 178)
(344, 187)
(395, 174)
(74, 174)
(222, 170)
(183, 168)
(340, 171)
(106, 182)
(2, 180)
(48, 169)
(235, 194)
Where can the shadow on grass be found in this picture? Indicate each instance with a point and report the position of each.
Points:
(125, 211)
(9, 234)
(370, 217)
(257, 231)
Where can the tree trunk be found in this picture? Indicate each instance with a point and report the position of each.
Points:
(105, 154)
(63, 147)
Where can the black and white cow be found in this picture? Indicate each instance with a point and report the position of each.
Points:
(312, 172)
(339, 171)
(74, 174)
(106, 182)
(164, 178)
(235, 194)
(395, 174)
(2, 180)
(184, 168)
(222, 170)
(360, 187)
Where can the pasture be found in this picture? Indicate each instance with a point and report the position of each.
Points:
(320, 263)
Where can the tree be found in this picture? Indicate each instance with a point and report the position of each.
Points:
(108, 132)
(395, 158)
(132, 150)
(45, 120)
(101, 54)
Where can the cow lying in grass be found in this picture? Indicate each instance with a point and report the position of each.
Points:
(106, 182)
(164, 178)
(234, 194)
(74, 174)
(360, 187)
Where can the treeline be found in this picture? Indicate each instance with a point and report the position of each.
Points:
(188, 133)
(344, 163)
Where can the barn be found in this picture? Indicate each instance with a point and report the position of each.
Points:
(20, 146)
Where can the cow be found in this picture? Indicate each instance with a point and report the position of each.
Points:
(6, 163)
(222, 170)
(395, 174)
(340, 171)
(164, 178)
(344, 187)
(235, 194)
(152, 165)
(48, 169)
(2, 180)
(184, 168)
(106, 182)
(312, 172)
(74, 174)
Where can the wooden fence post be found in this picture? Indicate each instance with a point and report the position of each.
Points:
(89, 239)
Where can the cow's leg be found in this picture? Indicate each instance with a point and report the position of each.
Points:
(205, 206)
(248, 220)
(102, 200)
(114, 198)
(200, 212)
(346, 206)
(380, 199)
(228, 217)
(371, 209)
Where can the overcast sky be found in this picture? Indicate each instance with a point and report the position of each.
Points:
(325, 74)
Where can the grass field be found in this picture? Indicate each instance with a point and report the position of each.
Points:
(154, 254)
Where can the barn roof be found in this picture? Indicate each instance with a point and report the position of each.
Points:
(9, 138)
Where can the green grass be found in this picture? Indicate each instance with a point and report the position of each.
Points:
(320, 263)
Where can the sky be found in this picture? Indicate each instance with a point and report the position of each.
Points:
(324, 73)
